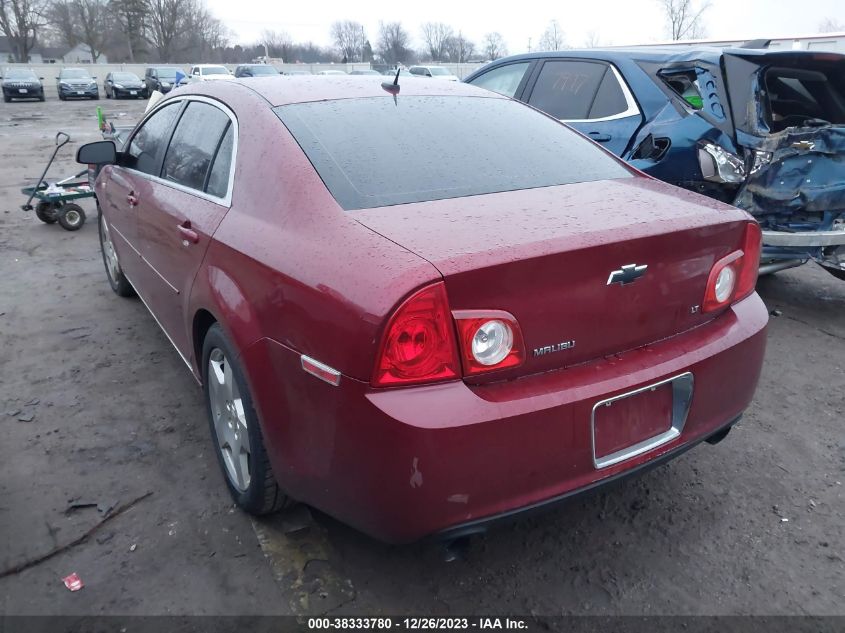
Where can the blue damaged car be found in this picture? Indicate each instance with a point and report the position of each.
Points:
(761, 129)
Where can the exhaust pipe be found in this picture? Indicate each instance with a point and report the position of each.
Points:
(773, 267)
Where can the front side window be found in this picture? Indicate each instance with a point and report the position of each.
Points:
(566, 88)
(149, 142)
(610, 99)
(505, 79)
(194, 144)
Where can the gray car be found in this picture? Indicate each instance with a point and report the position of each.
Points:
(124, 84)
(76, 82)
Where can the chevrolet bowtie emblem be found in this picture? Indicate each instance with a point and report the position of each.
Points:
(627, 274)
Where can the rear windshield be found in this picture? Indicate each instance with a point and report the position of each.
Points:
(166, 72)
(435, 70)
(214, 70)
(374, 152)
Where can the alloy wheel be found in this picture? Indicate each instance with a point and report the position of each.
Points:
(230, 425)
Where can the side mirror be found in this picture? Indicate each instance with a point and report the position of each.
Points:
(97, 153)
(41, 78)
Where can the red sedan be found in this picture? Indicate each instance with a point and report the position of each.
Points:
(422, 312)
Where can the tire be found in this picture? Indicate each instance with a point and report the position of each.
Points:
(62, 97)
(7, 99)
(42, 98)
(117, 280)
(256, 491)
(107, 95)
(96, 97)
(71, 217)
(46, 212)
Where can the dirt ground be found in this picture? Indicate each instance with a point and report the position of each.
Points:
(97, 408)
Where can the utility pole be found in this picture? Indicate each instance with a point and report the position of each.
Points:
(529, 44)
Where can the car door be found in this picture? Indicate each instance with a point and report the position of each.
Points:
(124, 193)
(187, 203)
(589, 95)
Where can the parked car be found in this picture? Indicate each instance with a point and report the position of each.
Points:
(331, 72)
(410, 328)
(255, 70)
(763, 130)
(124, 84)
(21, 83)
(369, 71)
(435, 72)
(208, 72)
(161, 78)
(76, 82)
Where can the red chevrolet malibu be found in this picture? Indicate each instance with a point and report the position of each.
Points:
(424, 311)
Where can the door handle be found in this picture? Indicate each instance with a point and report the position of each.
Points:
(132, 199)
(187, 233)
(601, 137)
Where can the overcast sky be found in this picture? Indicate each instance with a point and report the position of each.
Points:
(614, 21)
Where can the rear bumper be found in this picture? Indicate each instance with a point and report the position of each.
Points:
(804, 238)
(401, 464)
(481, 525)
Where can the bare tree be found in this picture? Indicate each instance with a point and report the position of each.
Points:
(459, 49)
(494, 46)
(90, 22)
(393, 43)
(349, 38)
(167, 20)
(20, 21)
(592, 40)
(130, 17)
(829, 25)
(278, 43)
(683, 18)
(553, 38)
(435, 36)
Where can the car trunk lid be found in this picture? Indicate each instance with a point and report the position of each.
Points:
(556, 258)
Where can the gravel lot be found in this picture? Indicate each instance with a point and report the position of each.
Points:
(751, 526)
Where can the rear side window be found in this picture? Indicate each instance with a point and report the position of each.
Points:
(372, 152)
(150, 141)
(218, 179)
(566, 89)
(505, 80)
(610, 100)
(194, 144)
(684, 83)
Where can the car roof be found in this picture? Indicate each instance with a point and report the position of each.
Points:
(656, 54)
(285, 90)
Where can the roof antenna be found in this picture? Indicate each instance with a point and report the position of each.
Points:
(394, 87)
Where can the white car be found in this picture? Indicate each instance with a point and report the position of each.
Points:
(435, 72)
(208, 72)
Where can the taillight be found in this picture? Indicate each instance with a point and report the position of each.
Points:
(734, 276)
(418, 344)
(488, 340)
(751, 248)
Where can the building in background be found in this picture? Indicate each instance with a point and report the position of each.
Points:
(79, 54)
